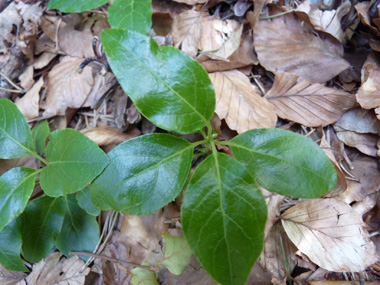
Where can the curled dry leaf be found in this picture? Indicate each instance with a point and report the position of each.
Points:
(368, 95)
(331, 234)
(363, 10)
(238, 102)
(310, 104)
(286, 44)
(67, 88)
(29, 104)
(106, 135)
(253, 17)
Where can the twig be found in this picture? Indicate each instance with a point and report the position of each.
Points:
(11, 82)
(116, 260)
(12, 90)
(276, 15)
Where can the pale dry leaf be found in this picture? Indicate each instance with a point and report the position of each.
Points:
(26, 78)
(359, 120)
(67, 88)
(328, 21)
(55, 269)
(106, 135)
(286, 44)
(186, 31)
(365, 143)
(8, 277)
(239, 102)
(273, 201)
(9, 18)
(277, 246)
(310, 104)
(368, 95)
(253, 17)
(367, 179)
(29, 104)
(363, 10)
(331, 234)
(43, 60)
(191, 2)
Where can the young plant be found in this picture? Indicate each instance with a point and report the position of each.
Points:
(223, 212)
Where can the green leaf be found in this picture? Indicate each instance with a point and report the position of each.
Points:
(131, 15)
(176, 255)
(15, 135)
(79, 232)
(84, 201)
(223, 218)
(16, 186)
(167, 86)
(144, 174)
(285, 162)
(41, 222)
(143, 276)
(75, 6)
(10, 247)
(40, 134)
(74, 161)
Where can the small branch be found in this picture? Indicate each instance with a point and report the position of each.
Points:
(11, 82)
(276, 15)
(12, 90)
(116, 260)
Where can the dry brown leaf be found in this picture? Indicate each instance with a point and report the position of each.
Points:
(191, 2)
(253, 17)
(363, 10)
(29, 104)
(67, 88)
(366, 179)
(238, 102)
(273, 201)
(331, 234)
(186, 31)
(366, 143)
(368, 95)
(106, 135)
(56, 269)
(328, 21)
(8, 277)
(26, 78)
(310, 104)
(286, 44)
(360, 121)
(277, 246)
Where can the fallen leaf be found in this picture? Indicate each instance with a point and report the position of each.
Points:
(8, 277)
(186, 31)
(238, 102)
(106, 135)
(365, 143)
(56, 269)
(29, 103)
(310, 104)
(273, 201)
(331, 234)
(67, 88)
(253, 17)
(191, 2)
(286, 44)
(363, 11)
(360, 121)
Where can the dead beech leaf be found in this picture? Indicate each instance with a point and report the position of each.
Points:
(331, 234)
(186, 31)
(286, 44)
(310, 104)
(360, 121)
(29, 104)
(365, 143)
(238, 102)
(67, 88)
(56, 269)
(106, 135)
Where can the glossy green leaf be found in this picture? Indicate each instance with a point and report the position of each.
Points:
(40, 133)
(16, 186)
(285, 162)
(144, 174)
(74, 161)
(79, 232)
(10, 247)
(15, 135)
(75, 6)
(132, 15)
(41, 222)
(167, 86)
(143, 276)
(84, 201)
(177, 254)
(223, 218)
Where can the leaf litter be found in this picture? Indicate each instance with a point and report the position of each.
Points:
(294, 71)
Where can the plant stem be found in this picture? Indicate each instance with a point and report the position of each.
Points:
(222, 142)
(200, 142)
(116, 260)
(40, 158)
(276, 15)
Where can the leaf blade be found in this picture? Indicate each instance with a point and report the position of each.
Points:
(131, 179)
(15, 135)
(40, 133)
(284, 162)
(75, 6)
(176, 95)
(223, 218)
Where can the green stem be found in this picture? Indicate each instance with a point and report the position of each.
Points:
(40, 158)
(200, 142)
(276, 15)
(203, 133)
(222, 142)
